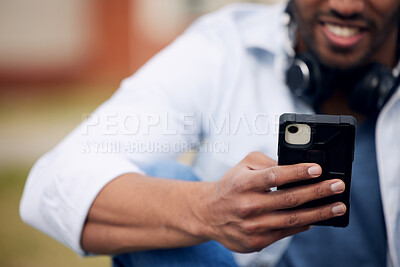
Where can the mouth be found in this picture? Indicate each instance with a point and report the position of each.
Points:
(342, 31)
(341, 35)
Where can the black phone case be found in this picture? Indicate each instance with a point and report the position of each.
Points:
(331, 146)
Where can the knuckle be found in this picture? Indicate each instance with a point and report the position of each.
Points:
(244, 210)
(249, 229)
(300, 171)
(271, 177)
(321, 215)
(292, 220)
(290, 200)
(320, 191)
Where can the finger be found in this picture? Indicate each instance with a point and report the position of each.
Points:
(303, 217)
(280, 175)
(290, 198)
(258, 161)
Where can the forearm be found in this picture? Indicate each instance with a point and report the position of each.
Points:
(136, 212)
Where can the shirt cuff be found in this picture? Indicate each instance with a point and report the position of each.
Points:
(57, 201)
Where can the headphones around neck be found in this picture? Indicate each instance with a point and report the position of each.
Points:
(368, 88)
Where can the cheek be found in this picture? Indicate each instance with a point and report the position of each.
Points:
(386, 21)
(385, 11)
(384, 7)
(304, 16)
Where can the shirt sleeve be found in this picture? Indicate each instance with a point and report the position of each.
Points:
(153, 116)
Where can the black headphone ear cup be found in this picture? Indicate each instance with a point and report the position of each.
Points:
(309, 80)
(371, 93)
(301, 74)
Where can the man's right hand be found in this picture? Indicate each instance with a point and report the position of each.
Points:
(243, 214)
(135, 212)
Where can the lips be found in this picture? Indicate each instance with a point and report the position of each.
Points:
(342, 31)
(342, 35)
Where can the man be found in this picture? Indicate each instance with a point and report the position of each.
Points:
(223, 82)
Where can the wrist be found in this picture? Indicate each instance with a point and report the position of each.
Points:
(199, 207)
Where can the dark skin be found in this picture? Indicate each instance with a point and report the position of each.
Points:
(377, 23)
(239, 210)
(336, 106)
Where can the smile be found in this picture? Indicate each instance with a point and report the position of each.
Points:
(342, 31)
(342, 36)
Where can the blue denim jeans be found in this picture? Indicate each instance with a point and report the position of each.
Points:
(207, 254)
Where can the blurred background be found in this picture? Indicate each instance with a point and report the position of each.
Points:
(60, 59)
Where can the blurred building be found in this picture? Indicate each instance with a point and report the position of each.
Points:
(46, 41)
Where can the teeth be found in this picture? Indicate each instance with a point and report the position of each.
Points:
(342, 31)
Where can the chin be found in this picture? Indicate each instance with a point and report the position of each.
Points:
(343, 66)
(336, 57)
(341, 61)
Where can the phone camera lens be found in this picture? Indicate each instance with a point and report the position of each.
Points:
(293, 129)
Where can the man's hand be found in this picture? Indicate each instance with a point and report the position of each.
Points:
(243, 214)
(135, 212)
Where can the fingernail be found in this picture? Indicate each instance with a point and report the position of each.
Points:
(338, 187)
(339, 209)
(314, 170)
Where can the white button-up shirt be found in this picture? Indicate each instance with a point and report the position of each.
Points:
(219, 88)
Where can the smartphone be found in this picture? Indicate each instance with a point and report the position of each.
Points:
(327, 140)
